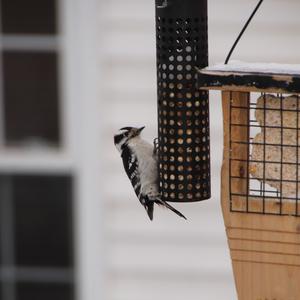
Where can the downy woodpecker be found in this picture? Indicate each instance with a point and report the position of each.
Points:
(140, 163)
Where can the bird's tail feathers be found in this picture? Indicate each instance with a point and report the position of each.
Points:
(167, 205)
(149, 206)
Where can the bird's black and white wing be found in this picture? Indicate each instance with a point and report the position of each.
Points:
(131, 167)
(140, 163)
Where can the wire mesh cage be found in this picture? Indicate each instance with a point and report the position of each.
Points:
(183, 113)
(264, 153)
(263, 137)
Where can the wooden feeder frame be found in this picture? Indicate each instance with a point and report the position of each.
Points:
(264, 241)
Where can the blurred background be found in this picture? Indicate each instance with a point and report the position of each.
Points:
(72, 72)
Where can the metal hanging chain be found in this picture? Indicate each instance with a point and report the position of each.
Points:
(243, 30)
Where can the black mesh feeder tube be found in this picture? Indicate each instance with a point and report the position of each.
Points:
(183, 112)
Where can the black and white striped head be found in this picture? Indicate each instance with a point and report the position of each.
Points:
(125, 134)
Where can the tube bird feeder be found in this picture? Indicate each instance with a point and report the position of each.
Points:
(183, 113)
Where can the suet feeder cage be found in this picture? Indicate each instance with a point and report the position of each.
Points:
(260, 175)
(183, 114)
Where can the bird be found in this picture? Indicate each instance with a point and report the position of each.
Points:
(140, 164)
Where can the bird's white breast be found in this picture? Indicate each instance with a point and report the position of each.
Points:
(147, 165)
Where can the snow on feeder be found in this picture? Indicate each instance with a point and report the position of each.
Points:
(183, 114)
(260, 175)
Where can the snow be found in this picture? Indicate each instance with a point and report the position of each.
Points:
(270, 68)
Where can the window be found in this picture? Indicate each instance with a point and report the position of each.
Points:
(29, 69)
(36, 194)
(43, 291)
(30, 98)
(27, 17)
(36, 236)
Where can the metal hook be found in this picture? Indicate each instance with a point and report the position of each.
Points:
(163, 5)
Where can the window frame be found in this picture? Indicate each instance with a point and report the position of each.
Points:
(81, 126)
(86, 31)
(22, 158)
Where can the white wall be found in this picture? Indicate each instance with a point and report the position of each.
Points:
(171, 258)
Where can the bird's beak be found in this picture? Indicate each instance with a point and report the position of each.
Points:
(140, 130)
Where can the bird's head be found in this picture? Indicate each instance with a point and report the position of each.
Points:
(125, 134)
